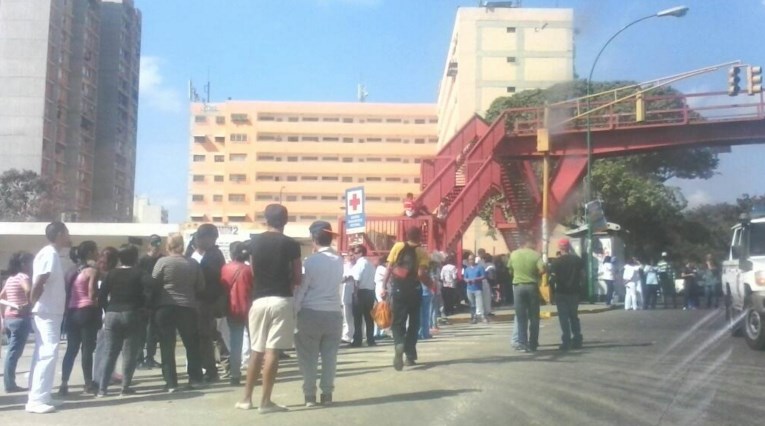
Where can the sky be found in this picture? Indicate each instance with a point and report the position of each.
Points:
(319, 50)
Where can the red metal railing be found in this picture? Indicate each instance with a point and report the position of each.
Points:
(384, 231)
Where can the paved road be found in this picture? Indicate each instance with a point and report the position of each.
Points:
(637, 368)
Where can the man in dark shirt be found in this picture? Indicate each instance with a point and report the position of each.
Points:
(277, 272)
(567, 274)
(148, 336)
(211, 260)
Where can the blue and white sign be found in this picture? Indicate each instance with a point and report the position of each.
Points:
(355, 218)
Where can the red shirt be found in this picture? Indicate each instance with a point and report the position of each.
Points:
(236, 278)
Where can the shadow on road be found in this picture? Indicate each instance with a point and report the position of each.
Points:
(405, 397)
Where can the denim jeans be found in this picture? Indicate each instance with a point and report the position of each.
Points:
(121, 333)
(18, 330)
(236, 332)
(425, 307)
(436, 309)
(527, 314)
(568, 316)
(82, 326)
(476, 303)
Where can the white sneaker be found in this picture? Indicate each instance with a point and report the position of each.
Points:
(40, 408)
(272, 408)
(55, 402)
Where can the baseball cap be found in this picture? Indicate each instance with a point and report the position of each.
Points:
(319, 226)
(155, 240)
(276, 215)
(564, 243)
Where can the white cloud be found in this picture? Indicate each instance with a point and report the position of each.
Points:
(698, 198)
(153, 90)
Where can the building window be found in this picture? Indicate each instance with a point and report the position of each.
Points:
(197, 197)
(374, 160)
(220, 120)
(374, 120)
(264, 197)
(347, 179)
(393, 160)
(292, 139)
(308, 217)
(200, 119)
(310, 158)
(331, 119)
(237, 157)
(198, 178)
(217, 198)
(419, 141)
(309, 197)
(200, 139)
(293, 119)
(392, 179)
(419, 121)
(374, 140)
(236, 198)
(510, 29)
(392, 120)
(237, 177)
(347, 140)
(291, 218)
(220, 139)
(292, 159)
(347, 159)
(219, 178)
(199, 158)
(266, 138)
(292, 179)
(374, 179)
(220, 158)
(310, 138)
(329, 198)
(390, 199)
(330, 178)
(309, 178)
(239, 118)
(292, 198)
(348, 120)
(511, 59)
(265, 178)
(310, 118)
(373, 198)
(266, 117)
(238, 137)
(237, 218)
(330, 139)
(330, 158)
(217, 218)
(265, 158)
(510, 89)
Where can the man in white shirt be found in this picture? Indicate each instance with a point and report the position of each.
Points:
(319, 318)
(49, 303)
(363, 274)
(346, 298)
(449, 280)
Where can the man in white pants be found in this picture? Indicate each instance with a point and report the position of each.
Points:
(346, 298)
(48, 298)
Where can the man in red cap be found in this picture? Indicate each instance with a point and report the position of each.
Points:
(567, 276)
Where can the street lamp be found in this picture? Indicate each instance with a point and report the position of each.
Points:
(678, 11)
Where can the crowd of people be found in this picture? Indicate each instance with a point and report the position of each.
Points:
(647, 283)
(112, 302)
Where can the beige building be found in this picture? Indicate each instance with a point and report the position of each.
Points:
(498, 51)
(245, 155)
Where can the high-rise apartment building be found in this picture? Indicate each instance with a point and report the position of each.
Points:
(51, 96)
(120, 58)
(498, 51)
(245, 155)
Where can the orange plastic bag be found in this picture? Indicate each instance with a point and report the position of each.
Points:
(382, 314)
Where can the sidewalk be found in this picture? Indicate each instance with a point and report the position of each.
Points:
(507, 312)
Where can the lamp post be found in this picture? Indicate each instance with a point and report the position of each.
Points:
(678, 11)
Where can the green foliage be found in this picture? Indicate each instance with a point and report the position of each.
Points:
(25, 197)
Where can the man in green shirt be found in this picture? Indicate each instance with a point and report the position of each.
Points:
(527, 267)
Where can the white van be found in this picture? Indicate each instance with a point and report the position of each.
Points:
(743, 280)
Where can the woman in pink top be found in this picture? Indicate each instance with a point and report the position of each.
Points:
(83, 317)
(18, 320)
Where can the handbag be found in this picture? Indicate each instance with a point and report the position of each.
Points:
(382, 314)
(220, 307)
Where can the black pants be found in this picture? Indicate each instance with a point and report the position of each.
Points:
(82, 325)
(208, 333)
(169, 319)
(122, 331)
(362, 311)
(651, 294)
(406, 299)
(451, 300)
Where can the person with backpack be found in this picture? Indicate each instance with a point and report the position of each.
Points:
(407, 268)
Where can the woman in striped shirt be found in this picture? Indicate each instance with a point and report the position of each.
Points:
(18, 319)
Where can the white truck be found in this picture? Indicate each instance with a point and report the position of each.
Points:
(743, 281)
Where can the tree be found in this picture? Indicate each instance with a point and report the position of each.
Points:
(631, 188)
(25, 197)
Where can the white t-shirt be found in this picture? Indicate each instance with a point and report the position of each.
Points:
(53, 299)
(379, 284)
(449, 275)
(607, 271)
(363, 272)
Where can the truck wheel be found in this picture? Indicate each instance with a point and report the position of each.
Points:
(753, 329)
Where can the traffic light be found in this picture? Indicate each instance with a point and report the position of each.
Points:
(733, 81)
(754, 79)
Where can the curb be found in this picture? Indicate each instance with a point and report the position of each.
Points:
(505, 317)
